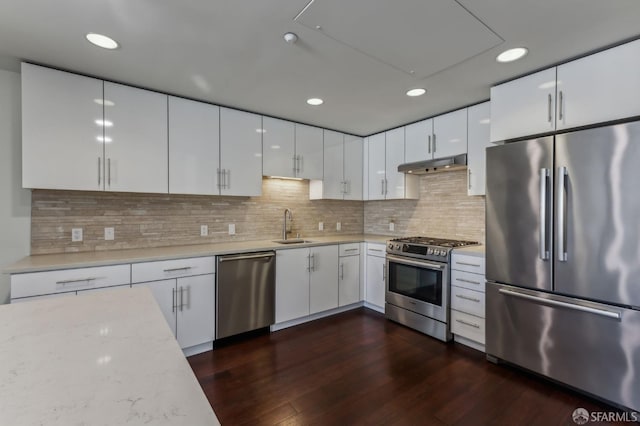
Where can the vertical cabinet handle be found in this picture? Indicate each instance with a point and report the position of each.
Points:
(562, 215)
(99, 171)
(295, 165)
(434, 144)
(544, 177)
(549, 116)
(109, 171)
(181, 298)
(173, 300)
(468, 178)
(429, 145)
(313, 262)
(227, 179)
(384, 273)
(342, 271)
(382, 187)
(309, 262)
(560, 107)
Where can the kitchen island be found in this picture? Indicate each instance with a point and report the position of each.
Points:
(104, 358)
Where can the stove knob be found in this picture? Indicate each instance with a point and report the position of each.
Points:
(390, 246)
(438, 252)
(429, 251)
(397, 246)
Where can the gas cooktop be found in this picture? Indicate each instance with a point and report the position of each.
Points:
(437, 249)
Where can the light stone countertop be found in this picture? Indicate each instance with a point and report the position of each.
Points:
(477, 251)
(105, 358)
(46, 262)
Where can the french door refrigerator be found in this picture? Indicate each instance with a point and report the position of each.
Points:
(563, 259)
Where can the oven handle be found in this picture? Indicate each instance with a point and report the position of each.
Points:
(419, 264)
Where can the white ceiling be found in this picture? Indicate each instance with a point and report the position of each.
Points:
(232, 52)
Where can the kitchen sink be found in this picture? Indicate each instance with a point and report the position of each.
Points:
(292, 241)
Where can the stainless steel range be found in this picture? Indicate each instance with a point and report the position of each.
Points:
(417, 283)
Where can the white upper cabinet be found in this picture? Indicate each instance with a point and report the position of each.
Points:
(136, 139)
(61, 130)
(598, 88)
(309, 152)
(278, 148)
(525, 106)
(333, 182)
(194, 147)
(418, 141)
(365, 169)
(394, 180)
(352, 167)
(479, 127)
(449, 134)
(376, 166)
(240, 153)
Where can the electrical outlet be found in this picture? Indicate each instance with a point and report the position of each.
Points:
(338, 226)
(392, 226)
(320, 226)
(109, 234)
(76, 235)
(232, 229)
(204, 230)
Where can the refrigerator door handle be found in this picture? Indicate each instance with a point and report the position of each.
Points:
(544, 176)
(562, 215)
(560, 304)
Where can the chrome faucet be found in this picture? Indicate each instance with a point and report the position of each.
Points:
(287, 212)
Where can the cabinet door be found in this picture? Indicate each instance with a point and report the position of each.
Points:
(349, 284)
(524, 107)
(394, 185)
(194, 147)
(333, 182)
(278, 147)
(450, 134)
(323, 283)
(62, 130)
(418, 141)
(195, 310)
(375, 281)
(376, 147)
(309, 151)
(365, 169)
(478, 124)
(165, 294)
(136, 141)
(600, 87)
(292, 284)
(240, 153)
(352, 167)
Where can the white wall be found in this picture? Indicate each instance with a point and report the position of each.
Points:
(15, 202)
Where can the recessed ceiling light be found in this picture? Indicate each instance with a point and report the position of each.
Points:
(512, 54)
(102, 41)
(105, 139)
(315, 101)
(104, 102)
(105, 123)
(416, 92)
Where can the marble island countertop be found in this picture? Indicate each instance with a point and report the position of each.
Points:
(96, 359)
(45, 262)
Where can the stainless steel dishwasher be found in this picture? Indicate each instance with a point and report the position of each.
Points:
(245, 292)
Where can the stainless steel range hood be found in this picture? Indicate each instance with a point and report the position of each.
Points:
(447, 164)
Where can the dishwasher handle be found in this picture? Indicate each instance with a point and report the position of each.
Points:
(264, 255)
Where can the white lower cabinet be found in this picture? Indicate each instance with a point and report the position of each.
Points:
(349, 274)
(468, 299)
(323, 279)
(375, 281)
(186, 300)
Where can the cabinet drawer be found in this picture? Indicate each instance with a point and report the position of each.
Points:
(166, 269)
(469, 301)
(376, 249)
(468, 326)
(463, 262)
(467, 280)
(65, 280)
(350, 249)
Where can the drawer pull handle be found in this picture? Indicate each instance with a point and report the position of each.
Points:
(468, 281)
(468, 264)
(79, 280)
(184, 268)
(378, 250)
(351, 249)
(470, 324)
(473, 299)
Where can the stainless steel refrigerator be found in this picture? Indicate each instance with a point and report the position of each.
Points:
(563, 259)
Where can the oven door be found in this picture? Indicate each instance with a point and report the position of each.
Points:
(419, 286)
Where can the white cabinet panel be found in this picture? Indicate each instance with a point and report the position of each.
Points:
(309, 151)
(349, 284)
(136, 140)
(240, 153)
(375, 281)
(165, 294)
(418, 141)
(194, 147)
(394, 185)
(278, 147)
(196, 310)
(61, 130)
(450, 134)
(365, 169)
(473, 264)
(469, 280)
(525, 106)
(479, 128)
(333, 186)
(600, 87)
(323, 283)
(292, 284)
(173, 268)
(468, 326)
(376, 166)
(469, 301)
(349, 249)
(353, 166)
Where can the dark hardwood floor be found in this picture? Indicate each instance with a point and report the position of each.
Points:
(358, 368)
